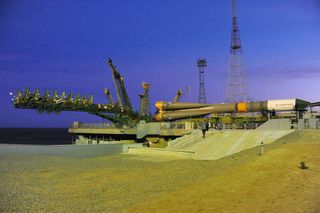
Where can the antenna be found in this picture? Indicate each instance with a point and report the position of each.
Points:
(237, 90)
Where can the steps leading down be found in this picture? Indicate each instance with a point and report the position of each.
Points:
(187, 140)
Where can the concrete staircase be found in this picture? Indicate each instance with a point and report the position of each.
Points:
(187, 140)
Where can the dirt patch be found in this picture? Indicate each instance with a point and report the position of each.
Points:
(244, 182)
(272, 183)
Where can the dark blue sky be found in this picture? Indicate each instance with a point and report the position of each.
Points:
(64, 45)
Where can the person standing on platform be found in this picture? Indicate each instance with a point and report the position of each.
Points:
(204, 129)
(207, 126)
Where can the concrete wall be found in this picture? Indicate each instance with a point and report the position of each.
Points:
(66, 150)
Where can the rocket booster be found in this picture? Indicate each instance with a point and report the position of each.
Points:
(162, 105)
(174, 111)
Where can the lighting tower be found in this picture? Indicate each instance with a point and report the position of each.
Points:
(237, 90)
(201, 64)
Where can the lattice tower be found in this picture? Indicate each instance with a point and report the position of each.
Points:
(237, 88)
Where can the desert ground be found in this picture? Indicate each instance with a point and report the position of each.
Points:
(243, 182)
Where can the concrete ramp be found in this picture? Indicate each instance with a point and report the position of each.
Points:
(224, 143)
(276, 124)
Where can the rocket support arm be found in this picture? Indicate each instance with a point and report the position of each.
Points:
(122, 95)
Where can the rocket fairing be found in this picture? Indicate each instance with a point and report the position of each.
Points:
(174, 111)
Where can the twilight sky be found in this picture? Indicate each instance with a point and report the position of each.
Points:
(64, 45)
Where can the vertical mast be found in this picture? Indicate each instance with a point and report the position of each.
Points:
(236, 83)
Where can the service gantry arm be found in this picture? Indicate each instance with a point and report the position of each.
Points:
(109, 96)
(122, 95)
(56, 103)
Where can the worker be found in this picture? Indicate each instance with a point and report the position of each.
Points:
(204, 129)
(207, 126)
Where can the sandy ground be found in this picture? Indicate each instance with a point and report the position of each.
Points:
(244, 182)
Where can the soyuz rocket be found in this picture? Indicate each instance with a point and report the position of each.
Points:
(168, 111)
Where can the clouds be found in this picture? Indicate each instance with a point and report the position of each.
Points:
(284, 72)
(299, 72)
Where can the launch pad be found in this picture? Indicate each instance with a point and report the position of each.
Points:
(172, 119)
